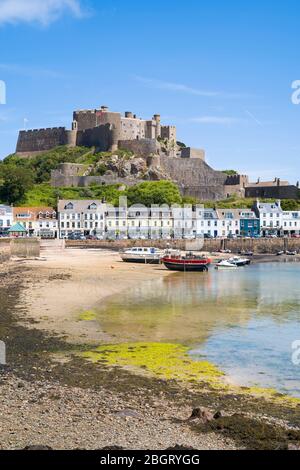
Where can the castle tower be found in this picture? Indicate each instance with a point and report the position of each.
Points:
(157, 121)
(114, 139)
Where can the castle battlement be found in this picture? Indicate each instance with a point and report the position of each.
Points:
(42, 129)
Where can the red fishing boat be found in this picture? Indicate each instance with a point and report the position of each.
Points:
(186, 263)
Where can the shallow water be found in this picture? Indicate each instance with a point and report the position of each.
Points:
(244, 321)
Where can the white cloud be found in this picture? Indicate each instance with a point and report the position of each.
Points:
(181, 88)
(37, 11)
(226, 121)
(258, 122)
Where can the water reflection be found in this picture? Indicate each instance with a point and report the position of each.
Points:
(244, 320)
(188, 307)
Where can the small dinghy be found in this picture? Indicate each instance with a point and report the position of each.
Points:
(225, 264)
(239, 261)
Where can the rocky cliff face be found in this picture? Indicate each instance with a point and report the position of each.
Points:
(127, 167)
(193, 176)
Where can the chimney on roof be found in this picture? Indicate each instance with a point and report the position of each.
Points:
(278, 181)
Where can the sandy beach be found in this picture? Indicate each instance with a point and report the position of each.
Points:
(65, 284)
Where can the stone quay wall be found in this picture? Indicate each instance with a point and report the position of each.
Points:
(25, 247)
(19, 247)
(4, 249)
(260, 246)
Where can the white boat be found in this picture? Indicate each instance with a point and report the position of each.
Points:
(146, 255)
(225, 265)
(239, 261)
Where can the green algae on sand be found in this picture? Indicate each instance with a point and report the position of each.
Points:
(88, 315)
(168, 361)
(172, 362)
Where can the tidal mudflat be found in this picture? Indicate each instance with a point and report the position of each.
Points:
(72, 367)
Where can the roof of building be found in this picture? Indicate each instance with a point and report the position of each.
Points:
(79, 205)
(32, 213)
(272, 207)
(235, 214)
(265, 184)
(17, 228)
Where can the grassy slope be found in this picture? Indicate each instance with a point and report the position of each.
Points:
(42, 194)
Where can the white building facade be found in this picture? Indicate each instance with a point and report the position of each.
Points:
(85, 218)
(6, 219)
(38, 221)
(291, 223)
(271, 217)
(207, 223)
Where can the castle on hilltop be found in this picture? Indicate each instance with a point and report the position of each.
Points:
(107, 131)
(155, 151)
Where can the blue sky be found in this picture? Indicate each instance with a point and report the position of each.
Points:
(220, 71)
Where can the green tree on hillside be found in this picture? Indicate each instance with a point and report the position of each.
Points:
(230, 172)
(16, 181)
(154, 192)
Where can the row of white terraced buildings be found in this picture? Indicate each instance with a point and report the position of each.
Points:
(99, 219)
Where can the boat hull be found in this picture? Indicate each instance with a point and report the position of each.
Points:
(241, 263)
(141, 260)
(186, 267)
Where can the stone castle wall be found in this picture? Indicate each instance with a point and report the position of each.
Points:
(141, 148)
(273, 192)
(169, 132)
(188, 152)
(100, 137)
(62, 180)
(38, 140)
(85, 119)
(194, 177)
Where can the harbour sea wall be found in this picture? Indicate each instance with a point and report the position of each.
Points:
(258, 246)
(19, 247)
(25, 247)
(4, 249)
